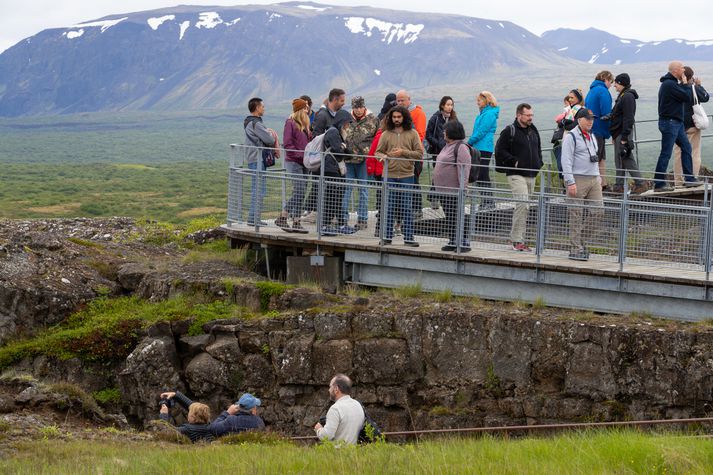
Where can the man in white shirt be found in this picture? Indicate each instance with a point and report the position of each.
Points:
(346, 416)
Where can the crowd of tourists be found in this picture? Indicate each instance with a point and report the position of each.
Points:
(359, 145)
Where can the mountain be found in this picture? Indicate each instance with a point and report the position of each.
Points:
(599, 47)
(190, 57)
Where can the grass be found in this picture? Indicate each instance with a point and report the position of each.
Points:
(616, 452)
(107, 329)
(408, 291)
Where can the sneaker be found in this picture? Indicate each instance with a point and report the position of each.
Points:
(329, 231)
(692, 184)
(310, 217)
(297, 228)
(281, 222)
(579, 255)
(361, 225)
(411, 243)
(448, 248)
(520, 246)
(663, 188)
(346, 229)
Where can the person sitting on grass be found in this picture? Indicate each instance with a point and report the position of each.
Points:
(239, 417)
(198, 426)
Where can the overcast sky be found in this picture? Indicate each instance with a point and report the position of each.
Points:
(638, 19)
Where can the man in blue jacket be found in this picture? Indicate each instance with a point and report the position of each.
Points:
(239, 417)
(599, 101)
(673, 97)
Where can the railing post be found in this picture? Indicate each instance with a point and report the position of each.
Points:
(460, 218)
(623, 224)
(541, 204)
(636, 145)
(285, 177)
(257, 193)
(708, 240)
(320, 197)
(234, 195)
(384, 201)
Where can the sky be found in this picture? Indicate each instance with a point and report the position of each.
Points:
(636, 19)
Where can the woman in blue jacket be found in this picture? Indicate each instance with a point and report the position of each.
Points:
(482, 140)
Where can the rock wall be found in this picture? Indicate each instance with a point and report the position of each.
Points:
(431, 366)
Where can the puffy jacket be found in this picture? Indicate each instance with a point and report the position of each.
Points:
(484, 129)
(598, 100)
(623, 113)
(673, 98)
(294, 140)
(521, 153)
(434, 133)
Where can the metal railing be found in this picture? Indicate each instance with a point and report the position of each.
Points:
(619, 232)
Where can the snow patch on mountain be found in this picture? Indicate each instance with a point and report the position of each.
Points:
(104, 24)
(310, 7)
(73, 34)
(231, 23)
(184, 26)
(155, 22)
(208, 20)
(389, 31)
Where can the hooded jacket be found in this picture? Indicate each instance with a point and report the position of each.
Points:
(598, 100)
(623, 113)
(335, 144)
(257, 135)
(484, 129)
(673, 98)
(434, 133)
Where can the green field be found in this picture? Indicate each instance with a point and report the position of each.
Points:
(583, 453)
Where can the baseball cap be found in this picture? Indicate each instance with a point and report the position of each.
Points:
(583, 112)
(248, 401)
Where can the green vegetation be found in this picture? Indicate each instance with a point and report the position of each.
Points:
(269, 289)
(444, 296)
(107, 396)
(74, 393)
(107, 329)
(220, 251)
(50, 432)
(621, 452)
(408, 291)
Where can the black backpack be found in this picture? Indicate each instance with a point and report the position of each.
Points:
(500, 165)
(474, 161)
(370, 432)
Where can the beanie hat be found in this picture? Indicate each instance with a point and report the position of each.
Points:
(298, 104)
(341, 117)
(578, 95)
(358, 101)
(623, 79)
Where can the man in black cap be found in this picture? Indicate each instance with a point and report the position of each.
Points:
(621, 126)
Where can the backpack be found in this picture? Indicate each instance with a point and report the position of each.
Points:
(474, 161)
(370, 432)
(500, 165)
(313, 153)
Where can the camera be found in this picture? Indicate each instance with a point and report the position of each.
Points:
(625, 151)
(168, 402)
(323, 421)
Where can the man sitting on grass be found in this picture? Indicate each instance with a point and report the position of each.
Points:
(239, 417)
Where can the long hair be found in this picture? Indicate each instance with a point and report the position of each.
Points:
(407, 123)
(442, 104)
(301, 119)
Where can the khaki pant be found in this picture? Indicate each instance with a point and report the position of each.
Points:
(589, 197)
(521, 187)
(694, 136)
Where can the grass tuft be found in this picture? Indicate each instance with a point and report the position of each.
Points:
(408, 291)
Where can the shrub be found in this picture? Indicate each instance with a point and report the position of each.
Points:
(107, 396)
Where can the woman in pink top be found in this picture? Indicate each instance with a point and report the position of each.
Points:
(449, 177)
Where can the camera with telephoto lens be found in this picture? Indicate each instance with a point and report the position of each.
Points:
(168, 402)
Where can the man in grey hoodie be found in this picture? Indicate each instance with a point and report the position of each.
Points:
(256, 135)
(580, 166)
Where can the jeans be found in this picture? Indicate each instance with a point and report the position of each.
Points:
(356, 174)
(298, 176)
(399, 191)
(673, 132)
(257, 193)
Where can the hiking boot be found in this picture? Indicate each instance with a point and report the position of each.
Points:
(639, 188)
(449, 247)
(521, 247)
(310, 217)
(281, 222)
(297, 227)
(410, 243)
(618, 189)
(361, 225)
(579, 255)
